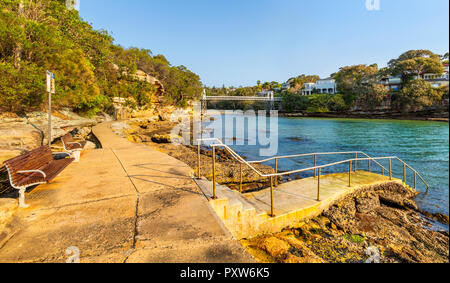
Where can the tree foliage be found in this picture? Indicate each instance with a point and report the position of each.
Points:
(315, 103)
(299, 82)
(360, 85)
(414, 63)
(294, 102)
(416, 95)
(44, 35)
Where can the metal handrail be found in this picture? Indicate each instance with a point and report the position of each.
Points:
(315, 168)
(237, 156)
(248, 163)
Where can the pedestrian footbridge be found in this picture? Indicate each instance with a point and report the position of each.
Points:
(270, 100)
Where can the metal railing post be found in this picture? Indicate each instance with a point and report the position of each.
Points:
(276, 172)
(318, 185)
(315, 165)
(271, 198)
(240, 185)
(404, 173)
(370, 169)
(350, 174)
(390, 168)
(356, 161)
(415, 180)
(214, 172)
(199, 162)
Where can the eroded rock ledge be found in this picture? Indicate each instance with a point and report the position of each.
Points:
(384, 218)
(19, 134)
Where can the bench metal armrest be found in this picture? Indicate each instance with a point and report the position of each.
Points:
(34, 171)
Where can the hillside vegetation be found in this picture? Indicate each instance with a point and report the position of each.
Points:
(360, 87)
(40, 35)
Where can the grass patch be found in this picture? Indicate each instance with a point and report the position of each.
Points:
(355, 238)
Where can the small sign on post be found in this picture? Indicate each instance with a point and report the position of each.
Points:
(50, 90)
(50, 82)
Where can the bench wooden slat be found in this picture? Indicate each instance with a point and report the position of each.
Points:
(33, 160)
(38, 159)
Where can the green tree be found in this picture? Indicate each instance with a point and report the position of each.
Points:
(337, 103)
(39, 35)
(299, 82)
(267, 86)
(414, 63)
(294, 102)
(360, 85)
(416, 95)
(443, 92)
(318, 103)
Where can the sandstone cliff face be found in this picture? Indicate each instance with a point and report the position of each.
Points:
(16, 136)
(19, 134)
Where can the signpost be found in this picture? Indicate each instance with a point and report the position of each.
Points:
(50, 90)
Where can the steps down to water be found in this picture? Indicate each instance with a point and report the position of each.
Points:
(247, 215)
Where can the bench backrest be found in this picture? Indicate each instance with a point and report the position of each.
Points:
(66, 139)
(31, 160)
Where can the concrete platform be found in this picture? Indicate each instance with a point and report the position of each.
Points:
(126, 202)
(247, 215)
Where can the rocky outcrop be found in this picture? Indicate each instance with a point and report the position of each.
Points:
(124, 110)
(62, 123)
(377, 224)
(161, 139)
(19, 134)
(142, 76)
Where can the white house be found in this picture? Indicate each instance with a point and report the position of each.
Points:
(392, 83)
(438, 80)
(395, 83)
(325, 86)
(308, 88)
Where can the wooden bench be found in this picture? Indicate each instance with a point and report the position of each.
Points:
(34, 168)
(73, 147)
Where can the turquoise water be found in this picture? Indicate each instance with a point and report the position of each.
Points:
(423, 145)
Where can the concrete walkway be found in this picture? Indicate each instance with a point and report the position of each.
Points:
(125, 202)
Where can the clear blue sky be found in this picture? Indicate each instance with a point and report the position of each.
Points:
(237, 42)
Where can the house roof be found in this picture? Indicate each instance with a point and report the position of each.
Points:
(327, 79)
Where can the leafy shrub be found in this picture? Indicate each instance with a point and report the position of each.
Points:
(337, 103)
(416, 95)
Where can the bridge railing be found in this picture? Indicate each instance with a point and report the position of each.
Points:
(316, 168)
(242, 98)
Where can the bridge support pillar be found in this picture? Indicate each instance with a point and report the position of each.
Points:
(204, 107)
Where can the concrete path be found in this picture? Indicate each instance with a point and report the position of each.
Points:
(123, 203)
